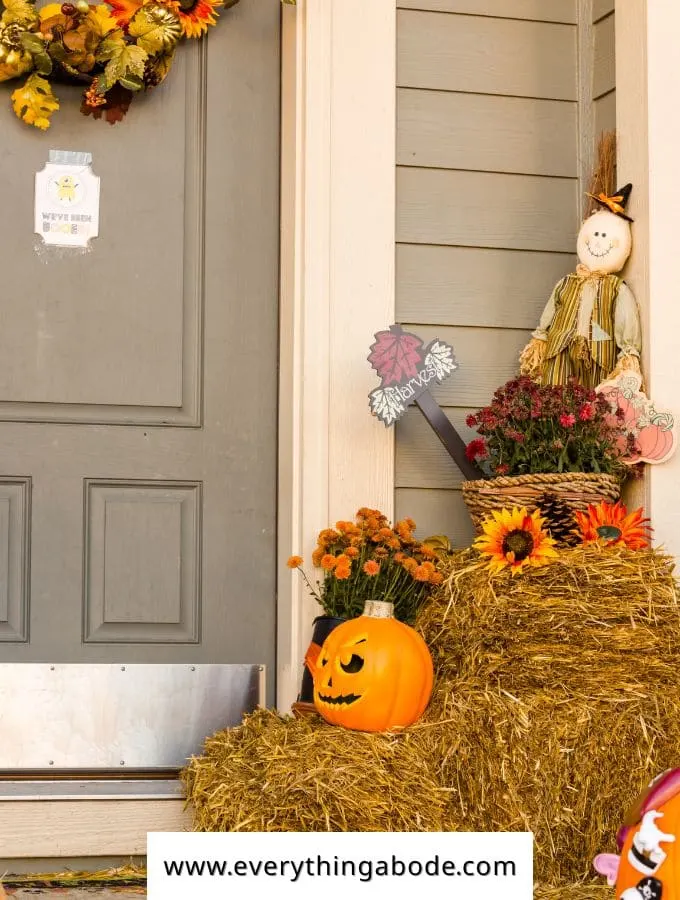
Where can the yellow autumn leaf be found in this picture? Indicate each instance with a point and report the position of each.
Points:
(19, 11)
(34, 103)
(100, 20)
(52, 9)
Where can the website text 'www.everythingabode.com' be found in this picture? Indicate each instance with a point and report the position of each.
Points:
(466, 864)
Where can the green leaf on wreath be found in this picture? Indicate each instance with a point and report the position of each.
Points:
(43, 64)
(31, 42)
(111, 46)
(131, 82)
(129, 60)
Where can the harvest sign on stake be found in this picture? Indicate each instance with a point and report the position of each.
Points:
(407, 368)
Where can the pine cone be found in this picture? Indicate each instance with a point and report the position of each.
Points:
(559, 517)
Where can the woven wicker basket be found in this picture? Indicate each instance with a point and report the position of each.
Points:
(576, 489)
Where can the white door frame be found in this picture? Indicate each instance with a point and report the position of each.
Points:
(647, 76)
(337, 284)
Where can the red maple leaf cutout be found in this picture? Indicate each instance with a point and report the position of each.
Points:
(118, 101)
(395, 355)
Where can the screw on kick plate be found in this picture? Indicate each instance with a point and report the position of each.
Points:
(192, 668)
(122, 668)
(51, 762)
(122, 762)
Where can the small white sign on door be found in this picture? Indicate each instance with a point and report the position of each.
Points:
(67, 200)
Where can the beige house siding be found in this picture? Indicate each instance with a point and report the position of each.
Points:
(604, 69)
(487, 205)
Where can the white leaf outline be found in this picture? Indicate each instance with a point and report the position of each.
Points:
(386, 404)
(440, 358)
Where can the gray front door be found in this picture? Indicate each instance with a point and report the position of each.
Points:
(138, 378)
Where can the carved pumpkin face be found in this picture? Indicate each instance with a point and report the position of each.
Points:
(648, 868)
(373, 674)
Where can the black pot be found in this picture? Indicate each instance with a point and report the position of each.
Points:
(321, 628)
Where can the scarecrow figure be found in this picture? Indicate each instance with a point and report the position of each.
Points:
(590, 327)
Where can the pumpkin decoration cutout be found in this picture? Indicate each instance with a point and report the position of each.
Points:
(649, 867)
(653, 431)
(373, 673)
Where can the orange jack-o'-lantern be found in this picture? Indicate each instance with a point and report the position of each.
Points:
(373, 673)
(649, 868)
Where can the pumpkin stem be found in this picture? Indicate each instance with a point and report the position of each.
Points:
(378, 609)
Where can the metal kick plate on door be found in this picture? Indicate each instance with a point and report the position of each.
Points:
(104, 717)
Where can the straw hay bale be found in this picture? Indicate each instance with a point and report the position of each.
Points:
(282, 774)
(556, 698)
(578, 891)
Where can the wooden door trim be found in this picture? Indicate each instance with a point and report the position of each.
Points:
(337, 283)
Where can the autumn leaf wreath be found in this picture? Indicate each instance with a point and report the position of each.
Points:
(114, 50)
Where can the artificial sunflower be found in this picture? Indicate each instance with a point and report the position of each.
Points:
(611, 523)
(195, 16)
(515, 539)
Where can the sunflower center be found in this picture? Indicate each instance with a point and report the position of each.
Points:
(519, 542)
(609, 532)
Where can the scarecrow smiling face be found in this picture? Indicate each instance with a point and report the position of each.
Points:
(604, 242)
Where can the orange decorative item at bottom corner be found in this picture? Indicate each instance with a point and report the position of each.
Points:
(373, 673)
(649, 843)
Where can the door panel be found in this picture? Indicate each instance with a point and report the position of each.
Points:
(138, 378)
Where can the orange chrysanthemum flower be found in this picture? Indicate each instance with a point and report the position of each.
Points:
(427, 553)
(611, 523)
(437, 578)
(515, 540)
(328, 536)
(342, 572)
(347, 528)
(420, 573)
(317, 556)
(352, 552)
(371, 567)
(343, 560)
(328, 562)
(410, 564)
(294, 562)
(404, 530)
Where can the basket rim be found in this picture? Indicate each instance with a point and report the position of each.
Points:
(541, 477)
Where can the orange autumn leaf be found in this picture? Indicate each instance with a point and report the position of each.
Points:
(123, 10)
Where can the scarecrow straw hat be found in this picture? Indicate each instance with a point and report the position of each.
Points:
(556, 699)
